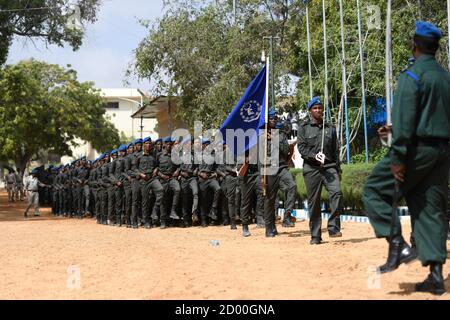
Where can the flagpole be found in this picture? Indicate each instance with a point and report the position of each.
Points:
(344, 82)
(266, 125)
(388, 69)
(326, 71)
(363, 87)
(448, 22)
(308, 34)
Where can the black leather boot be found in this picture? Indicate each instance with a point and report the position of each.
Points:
(204, 222)
(399, 252)
(435, 281)
(233, 224)
(245, 230)
(164, 225)
(270, 231)
(287, 221)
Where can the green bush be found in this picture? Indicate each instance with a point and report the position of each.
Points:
(354, 177)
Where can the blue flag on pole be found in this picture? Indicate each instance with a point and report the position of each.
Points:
(249, 113)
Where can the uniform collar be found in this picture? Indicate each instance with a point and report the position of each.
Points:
(425, 57)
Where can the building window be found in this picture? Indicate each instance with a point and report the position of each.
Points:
(112, 105)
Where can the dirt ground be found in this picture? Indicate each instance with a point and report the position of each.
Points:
(61, 258)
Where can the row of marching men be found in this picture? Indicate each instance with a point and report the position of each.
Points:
(139, 185)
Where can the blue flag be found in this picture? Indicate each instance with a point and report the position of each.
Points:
(249, 113)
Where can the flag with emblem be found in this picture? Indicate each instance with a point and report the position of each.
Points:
(247, 115)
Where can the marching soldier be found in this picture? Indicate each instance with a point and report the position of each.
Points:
(208, 185)
(250, 186)
(127, 181)
(320, 168)
(136, 208)
(168, 174)
(417, 165)
(189, 187)
(228, 172)
(19, 185)
(119, 168)
(84, 195)
(147, 166)
(273, 179)
(31, 185)
(111, 181)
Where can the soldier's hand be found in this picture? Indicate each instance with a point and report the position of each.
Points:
(384, 131)
(398, 170)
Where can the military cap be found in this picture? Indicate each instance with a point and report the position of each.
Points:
(83, 158)
(314, 102)
(273, 113)
(137, 141)
(168, 140)
(158, 140)
(122, 147)
(114, 151)
(147, 139)
(131, 144)
(35, 171)
(205, 141)
(427, 30)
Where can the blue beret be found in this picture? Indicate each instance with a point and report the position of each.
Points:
(205, 141)
(147, 139)
(427, 30)
(130, 145)
(313, 102)
(107, 153)
(137, 141)
(83, 158)
(168, 140)
(272, 113)
(114, 151)
(158, 140)
(34, 171)
(123, 147)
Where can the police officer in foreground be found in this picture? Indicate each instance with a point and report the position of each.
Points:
(320, 168)
(418, 162)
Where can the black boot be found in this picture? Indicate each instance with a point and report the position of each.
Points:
(204, 222)
(163, 225)
(287, 221)
(233, 224)
(435, 281)
(245, 231)
(213, 214)
(270, 232)
(260, 222)
(399, 252)
(174, 216)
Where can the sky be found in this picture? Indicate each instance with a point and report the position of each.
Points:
(107, 45)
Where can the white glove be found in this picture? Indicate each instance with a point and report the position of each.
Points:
(320, 157)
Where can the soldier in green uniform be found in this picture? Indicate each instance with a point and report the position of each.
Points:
(147, 166)
(111, 183)
(119, 168)
(418, 161)
(228, 173)
(274, 178)
(209, 186)
(136, 208)
(250, 186)
(320, 168)
(105, 183)
(189, 186)
(168, 173)
(128, 179)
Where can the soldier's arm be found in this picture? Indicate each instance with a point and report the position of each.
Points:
(302, 144)
(404, 117)
(284, 145)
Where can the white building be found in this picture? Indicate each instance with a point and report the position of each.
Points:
(121, 104)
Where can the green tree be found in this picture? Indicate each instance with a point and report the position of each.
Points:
(197, 52)
(45, 107)
(44, 19)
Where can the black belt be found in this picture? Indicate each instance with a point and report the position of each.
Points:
(32, 190)
(431, 142)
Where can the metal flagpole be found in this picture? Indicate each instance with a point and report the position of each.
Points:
(326, 71)
(309, 53)
(388, 69)
(363, 87)
(266, 126)
(344, 82)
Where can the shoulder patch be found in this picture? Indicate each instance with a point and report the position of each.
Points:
(414, 77)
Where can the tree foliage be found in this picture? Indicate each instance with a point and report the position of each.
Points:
(45, 19)
(197, 52)
(45, 107)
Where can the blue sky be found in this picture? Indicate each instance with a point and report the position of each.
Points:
(107, 46)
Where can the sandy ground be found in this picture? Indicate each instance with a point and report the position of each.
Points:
(60, 258)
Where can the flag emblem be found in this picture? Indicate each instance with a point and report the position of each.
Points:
(251, 111)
